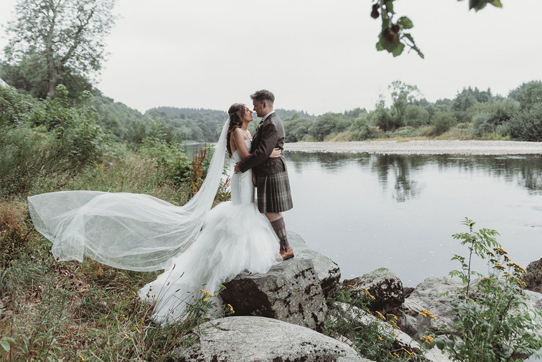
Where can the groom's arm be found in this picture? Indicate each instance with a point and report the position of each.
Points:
(268, 140)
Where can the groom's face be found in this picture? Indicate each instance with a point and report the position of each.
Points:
(260, 108)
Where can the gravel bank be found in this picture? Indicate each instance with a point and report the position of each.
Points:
(421, 147)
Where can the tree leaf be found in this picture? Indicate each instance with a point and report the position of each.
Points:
(405, 22)
(497, 3)
(398, 49)
(5, 345)
(389, 6)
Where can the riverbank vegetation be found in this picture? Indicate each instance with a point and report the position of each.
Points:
(472, 114)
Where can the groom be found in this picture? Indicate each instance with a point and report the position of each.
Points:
(272, 181)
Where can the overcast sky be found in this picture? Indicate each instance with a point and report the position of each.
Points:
(315, 55)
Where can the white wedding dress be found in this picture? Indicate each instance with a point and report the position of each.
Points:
(236, 237)
(142, 233)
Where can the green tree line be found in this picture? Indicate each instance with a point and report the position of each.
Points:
(471, 114)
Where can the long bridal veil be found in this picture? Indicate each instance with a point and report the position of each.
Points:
(128, 231)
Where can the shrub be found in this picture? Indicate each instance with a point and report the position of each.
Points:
(489, 117)
(416, 116)
(527, 124)
(490, 322)
(442, 122)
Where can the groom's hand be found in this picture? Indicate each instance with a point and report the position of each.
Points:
(236, 168)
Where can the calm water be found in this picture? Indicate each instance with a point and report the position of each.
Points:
(367, 211)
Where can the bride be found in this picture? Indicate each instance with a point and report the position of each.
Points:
(142, 233)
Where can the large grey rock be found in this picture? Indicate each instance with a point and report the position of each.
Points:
(533, 277)
(402, 340)
(261, 339)
(428, 296)
(327, 270)
(289, 292)
(383, 285)
(3, 84)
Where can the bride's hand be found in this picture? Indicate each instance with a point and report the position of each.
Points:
(277, 152)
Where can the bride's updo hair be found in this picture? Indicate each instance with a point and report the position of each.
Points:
(236, 114)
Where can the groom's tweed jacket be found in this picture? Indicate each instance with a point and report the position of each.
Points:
(269, 135)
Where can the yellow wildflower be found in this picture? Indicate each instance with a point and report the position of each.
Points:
(82, 359)
(127, 336)
(380, 338)
(499, 266)
(204, 299)
(493, 260)
(500, 251)
(380, 315)
(231, 308)
(428, 339)
(369, 294)
(425, 313)
(490, 253)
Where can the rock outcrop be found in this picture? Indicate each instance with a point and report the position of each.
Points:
(3, 84)
(428, 296)
(383, 285)
(533, 277)
(293, 291)
(289, 292)
(264, 339)
(327, 270)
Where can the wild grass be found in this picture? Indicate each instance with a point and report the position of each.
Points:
(84, 311)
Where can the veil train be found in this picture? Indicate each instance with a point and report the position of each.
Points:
(124, 230)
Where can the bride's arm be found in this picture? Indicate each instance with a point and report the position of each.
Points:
(239, 139)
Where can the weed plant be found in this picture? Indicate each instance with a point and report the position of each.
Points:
(373, 335)
(491, 321)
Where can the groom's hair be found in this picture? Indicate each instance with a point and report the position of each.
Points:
(264, 95)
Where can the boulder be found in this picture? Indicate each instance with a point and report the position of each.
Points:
(290, 291)
(327, 270)
(402, 340)
(263, 339)
(383, 285)
(428, 296)
(533, 277)
(3, 84)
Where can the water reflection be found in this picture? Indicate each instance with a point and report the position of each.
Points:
(402, 170)
(366, 211)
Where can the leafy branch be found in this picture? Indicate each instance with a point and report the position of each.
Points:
(395, 36)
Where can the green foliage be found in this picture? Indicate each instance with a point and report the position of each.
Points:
(468, 97)
(490, 322)
(382, 119)
(527, 124)
(52, 41)
(361, 129)
(46, 136)
(416, 116)
(402, 94)
(527, 94)
(328, 124)
(490, 117)
(373, 336)
(393, 37)
(296, 129)
(442, 122)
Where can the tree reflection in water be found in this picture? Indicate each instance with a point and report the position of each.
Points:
(402, 170)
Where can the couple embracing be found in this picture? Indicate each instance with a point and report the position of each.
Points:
(198, 248)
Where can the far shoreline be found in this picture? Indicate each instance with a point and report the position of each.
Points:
(427, 147)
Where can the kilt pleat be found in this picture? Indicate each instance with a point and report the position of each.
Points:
(274, 193)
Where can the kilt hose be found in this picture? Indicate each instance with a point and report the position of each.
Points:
(274, 193)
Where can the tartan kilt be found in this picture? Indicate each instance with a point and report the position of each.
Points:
(274, 193)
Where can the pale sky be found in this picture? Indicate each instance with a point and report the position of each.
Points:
(314, 55)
